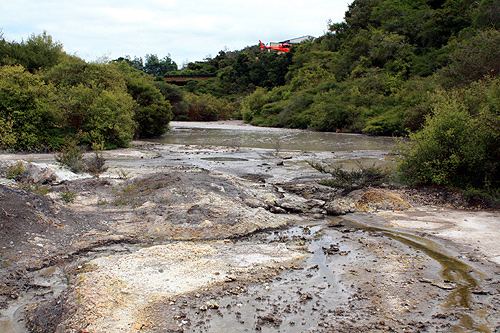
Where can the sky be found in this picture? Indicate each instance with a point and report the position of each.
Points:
(188, 30)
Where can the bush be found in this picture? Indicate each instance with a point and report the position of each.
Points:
(152, 112)
(350, 180)
(16, 171)
(93, 102)
(68, 196)
(205, 107)
(71, 156)
(96, 164)
(26, 110)
(459, 145)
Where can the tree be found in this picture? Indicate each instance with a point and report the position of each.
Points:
(459, 145)
(159, 67)
(27, 116)
(473, 58)
(93, 101)
(152, 112)
(37, 52)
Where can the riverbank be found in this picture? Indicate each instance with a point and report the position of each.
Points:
(183, 238)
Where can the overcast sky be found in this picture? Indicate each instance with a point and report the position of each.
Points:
(188, 30)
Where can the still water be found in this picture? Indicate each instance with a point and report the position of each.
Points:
(239, 134)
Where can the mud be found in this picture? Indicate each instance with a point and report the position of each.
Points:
(184, 239)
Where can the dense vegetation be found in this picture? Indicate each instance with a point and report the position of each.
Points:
(427, 68)
(48, 98)
(424, 68)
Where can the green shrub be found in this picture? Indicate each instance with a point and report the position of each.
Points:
(350, 180)
(459, 146)
(16, 171)
(93, 102)
(7, 136)
(68, 196)
(35, 188)
(26, 110)
(71, 156)
(96, 164)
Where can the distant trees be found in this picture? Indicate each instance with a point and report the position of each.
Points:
(158, 67)
(151, 112)
(393, 67)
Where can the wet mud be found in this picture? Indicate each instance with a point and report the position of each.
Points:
(223, 239)
(353, 279)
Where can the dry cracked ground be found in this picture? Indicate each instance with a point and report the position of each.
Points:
(182, 249)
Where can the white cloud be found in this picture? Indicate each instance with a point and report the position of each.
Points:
(187, 30)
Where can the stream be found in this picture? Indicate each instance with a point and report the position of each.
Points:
(298, 299)
(314, 294)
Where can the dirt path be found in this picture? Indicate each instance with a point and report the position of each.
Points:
(157, 244)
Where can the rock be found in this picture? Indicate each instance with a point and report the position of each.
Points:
(336, 208)
(212, 304)
(277, 210)
(378, 199)
(444, 285)
(334, 248)
(305, 297)
(42, 173)
(255, 203)
(301, 205)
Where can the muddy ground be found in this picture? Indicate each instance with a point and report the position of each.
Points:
(165, 245)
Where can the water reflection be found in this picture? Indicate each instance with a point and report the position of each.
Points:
(237, 134)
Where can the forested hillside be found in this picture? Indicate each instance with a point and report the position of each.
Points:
(375, 73)
(428, 68)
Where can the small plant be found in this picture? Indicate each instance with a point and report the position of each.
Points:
(68, 196)
(96, 164)
(35, 188)
(101, 201)
(16, 171)
(126, 195)
(350, 180)
(122, 174)
(71, 155)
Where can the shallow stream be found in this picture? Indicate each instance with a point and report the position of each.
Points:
(291, 302)
(239, 134)
(274, 154)
(318, 282)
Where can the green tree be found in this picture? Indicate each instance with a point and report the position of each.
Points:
(459, 145)
(27, 117)
(152, 112)
(93, 101)
(159, 67)
(473, 58)
(37, 52)
(175, 95)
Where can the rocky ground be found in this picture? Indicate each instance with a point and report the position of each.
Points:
(158, 247)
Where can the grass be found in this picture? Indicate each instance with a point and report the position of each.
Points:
(71, 155)
(132, 194)
(35, 188)
(68, 196)
(16, 171)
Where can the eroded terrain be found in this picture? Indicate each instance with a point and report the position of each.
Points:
(168, 241)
